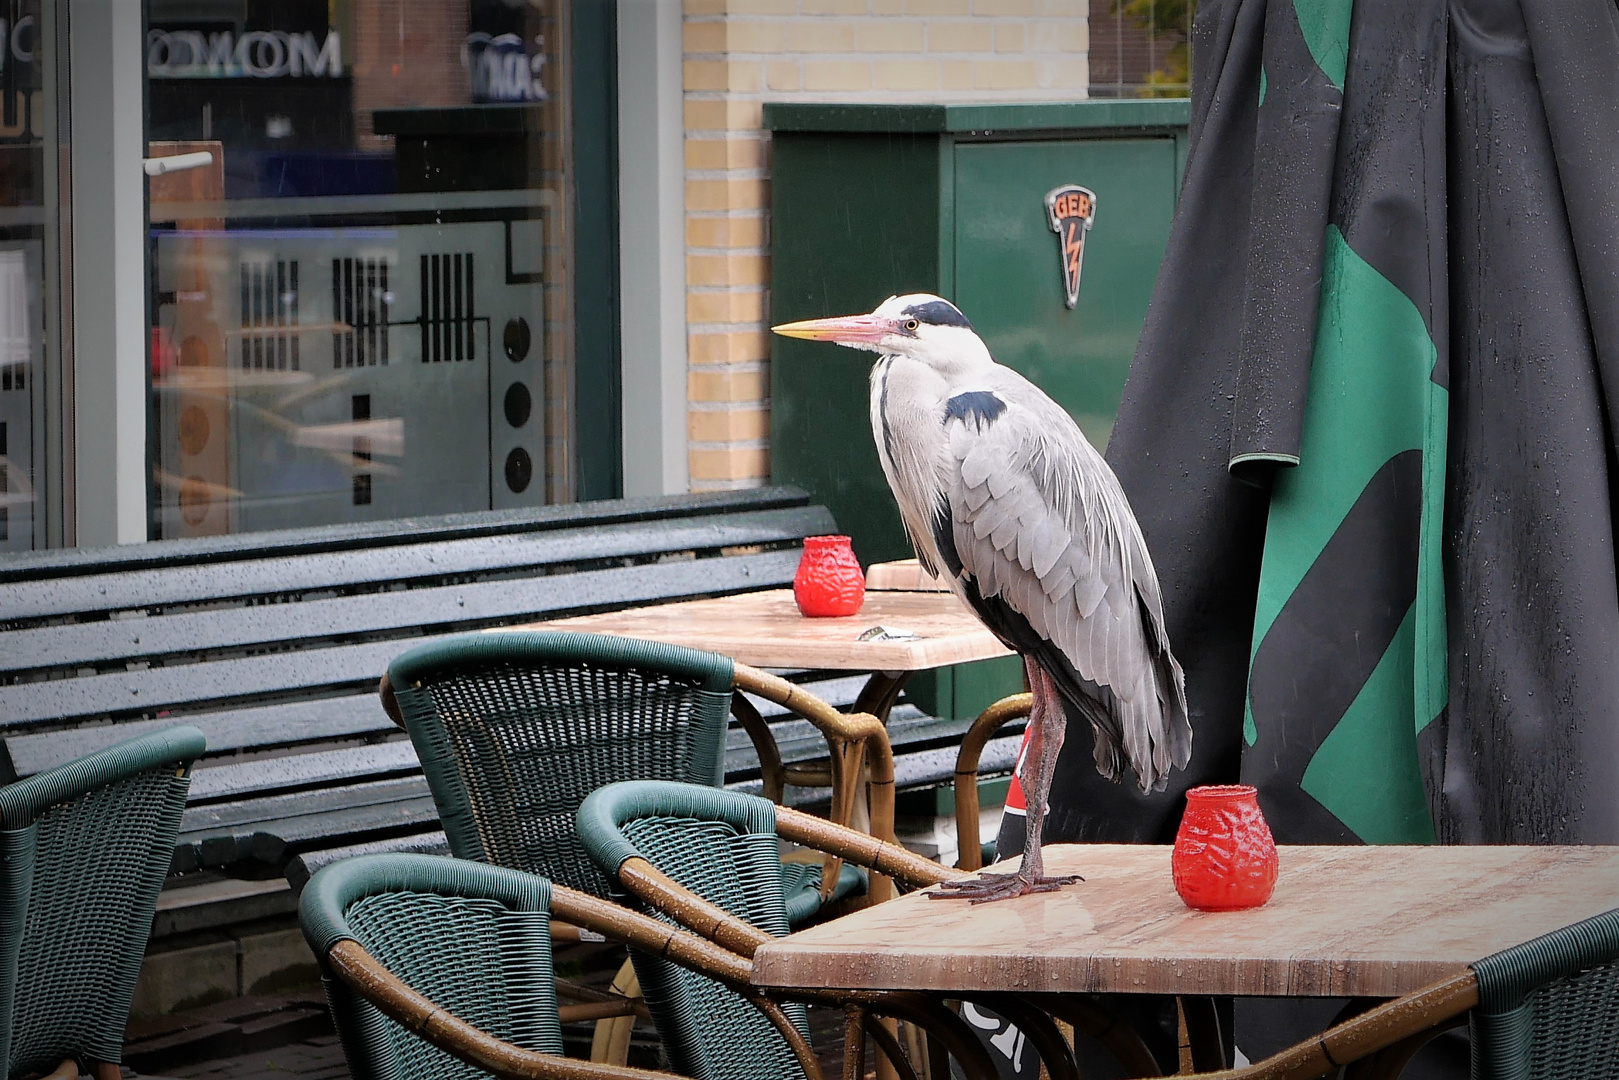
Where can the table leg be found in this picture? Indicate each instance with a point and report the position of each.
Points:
(1207, 1041)
(877, 697)
(854, 1042)
(875, 813)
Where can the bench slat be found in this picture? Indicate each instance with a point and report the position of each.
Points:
(357, 715)
(137, 589)
(219, 834)
(312, 621)
(303, 867)
(393, 532)
(352, 667)
(258, 727)
(238, 779)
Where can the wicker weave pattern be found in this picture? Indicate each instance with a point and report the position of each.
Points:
(86, 869)
(484, 963)
(1549, 1008)
(720, 1036)
(1576, 1027)
(1566, 1030)
(512, 744)
(530, 746)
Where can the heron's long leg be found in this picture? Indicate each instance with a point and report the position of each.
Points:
(1047, 724)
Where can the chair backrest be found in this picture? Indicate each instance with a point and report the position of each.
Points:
(474, 939)
(721, 845)
(84, 849)
(514, 729)
(1549, 1008)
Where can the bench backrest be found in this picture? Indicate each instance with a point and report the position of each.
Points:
(275, 640)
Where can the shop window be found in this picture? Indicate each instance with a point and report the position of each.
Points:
(31, 209)
(375, 261)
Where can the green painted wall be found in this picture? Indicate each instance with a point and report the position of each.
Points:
(870, 201)
(1007, 266)
(854, 219)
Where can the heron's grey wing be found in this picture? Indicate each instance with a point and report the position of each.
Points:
(1047, 550)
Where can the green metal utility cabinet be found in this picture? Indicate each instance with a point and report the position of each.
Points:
(872, 200)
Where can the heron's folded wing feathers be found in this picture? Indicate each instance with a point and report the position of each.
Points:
(1041, 527)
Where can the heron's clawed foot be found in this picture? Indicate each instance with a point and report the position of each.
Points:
(986, 887)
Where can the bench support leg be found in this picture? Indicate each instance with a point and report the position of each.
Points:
(610, 1044)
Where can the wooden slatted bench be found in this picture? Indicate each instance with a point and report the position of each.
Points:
(272, 643)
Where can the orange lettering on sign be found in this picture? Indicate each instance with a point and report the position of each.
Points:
(1073, 204)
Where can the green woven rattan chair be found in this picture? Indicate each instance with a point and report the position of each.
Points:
(1544, 1010)
(438, 968)
(514, 729)
(706, 859)
(84, 849)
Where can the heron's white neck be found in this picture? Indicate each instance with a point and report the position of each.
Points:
(954, 353)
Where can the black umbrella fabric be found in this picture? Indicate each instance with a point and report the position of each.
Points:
(1369, 428)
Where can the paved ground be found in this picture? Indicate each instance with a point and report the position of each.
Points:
(321, 1058)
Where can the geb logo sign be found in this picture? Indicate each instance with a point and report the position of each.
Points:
(1070, 210)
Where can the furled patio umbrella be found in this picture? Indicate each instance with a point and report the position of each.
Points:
(1370, 430)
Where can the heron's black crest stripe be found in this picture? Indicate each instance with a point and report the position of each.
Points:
(980, 406)
(938, 313)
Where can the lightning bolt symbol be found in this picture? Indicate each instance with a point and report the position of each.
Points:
(1072, 246)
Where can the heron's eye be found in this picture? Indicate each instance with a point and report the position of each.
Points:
(911, 325)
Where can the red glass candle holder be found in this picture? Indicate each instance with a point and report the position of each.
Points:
(829, 581)
(1225, 856)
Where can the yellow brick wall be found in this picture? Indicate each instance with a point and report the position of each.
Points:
(742, 53)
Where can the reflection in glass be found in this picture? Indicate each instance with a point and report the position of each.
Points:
(28, 182)
(333, 290)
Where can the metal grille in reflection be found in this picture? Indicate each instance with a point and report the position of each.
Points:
(361, 302)
(269, 339)
(16, 345)
(447, 312)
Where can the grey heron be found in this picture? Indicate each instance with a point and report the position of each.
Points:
(1003, 496)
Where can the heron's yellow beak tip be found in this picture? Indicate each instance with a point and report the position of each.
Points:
(806, 330)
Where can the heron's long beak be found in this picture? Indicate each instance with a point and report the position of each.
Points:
(845, 329)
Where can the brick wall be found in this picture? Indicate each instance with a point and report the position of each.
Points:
(742, 53)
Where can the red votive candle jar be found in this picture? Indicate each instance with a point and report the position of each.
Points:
(829, 581)
(1225, 856)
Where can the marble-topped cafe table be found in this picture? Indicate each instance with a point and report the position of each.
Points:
(1344, 922)
(764, 629)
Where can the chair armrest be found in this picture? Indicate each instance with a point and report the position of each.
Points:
(884, 857)
(390, 704)
(853, 740)
(690, 948)
(710, 922)
(771, 769)
(363, 973)
(989, 721)
(714, 924)
(1399, 1026)
(831, 722)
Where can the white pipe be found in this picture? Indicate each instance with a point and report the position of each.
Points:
(157, 166)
